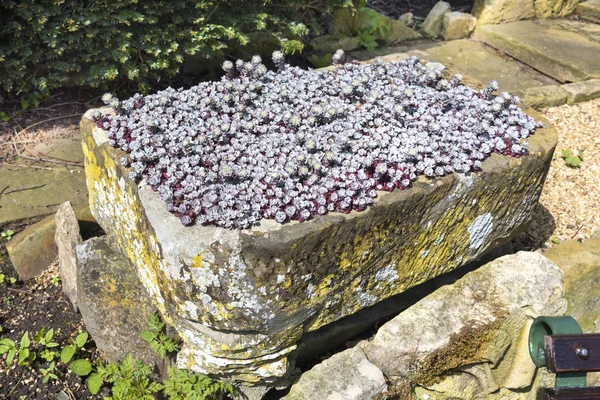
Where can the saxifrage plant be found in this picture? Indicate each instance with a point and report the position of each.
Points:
(291, 143)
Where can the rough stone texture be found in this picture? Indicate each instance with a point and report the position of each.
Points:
(582, 91)
(496, 11)
(471, 58)
(34, 249)
(330, 43)
(344, 23)
(29, 192)
(580, 261)
(458, 25)
(241, 299)
(544, 96)
(114, 305)
(398, 32)
(589, 10)
(67, 236)
(468, 340)
(406, 18)
(433, 24)
(554, 8)
(344, 376)
(564, 55)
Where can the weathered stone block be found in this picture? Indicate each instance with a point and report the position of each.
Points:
(564, 54)
(554, 8)
(344, 376)
(241, 299)
(582, 91)
(331, 43)
(114, 305)
(458, 25)
(34, 249)
(433, 24)
(67, 236)
(497, 11)
(469, 340)
(589, 10)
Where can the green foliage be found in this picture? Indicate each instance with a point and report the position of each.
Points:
(367, 24)
(160, 343)
(55, 281)
(130, 380)
(185, 385)
(320, 61)
(8, 234)
(8, 279)
(573, 161)
(45, 44)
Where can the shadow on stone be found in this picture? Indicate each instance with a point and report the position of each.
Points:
(538, 232)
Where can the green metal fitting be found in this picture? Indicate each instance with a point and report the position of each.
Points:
(543, 326)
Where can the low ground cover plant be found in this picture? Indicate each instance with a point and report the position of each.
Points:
(128, 379)
(290, 144)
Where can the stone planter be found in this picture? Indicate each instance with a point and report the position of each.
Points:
(242, 299)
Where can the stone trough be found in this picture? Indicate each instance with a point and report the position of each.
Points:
(241, 300)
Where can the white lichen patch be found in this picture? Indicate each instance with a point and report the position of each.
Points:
(280, 279)
(389, 273)
(203, 277)
(310, 291)
(479, 230)
(425, 253)
(190, 309)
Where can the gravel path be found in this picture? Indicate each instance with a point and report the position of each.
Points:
(572, 195)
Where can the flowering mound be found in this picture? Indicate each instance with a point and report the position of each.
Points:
(291, 143)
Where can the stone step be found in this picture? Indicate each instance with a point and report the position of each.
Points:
(564, 55)
(471, 58)
(589, 10)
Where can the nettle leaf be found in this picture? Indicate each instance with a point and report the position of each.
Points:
(67, 353)
(6, 345)
(49, 335)
(148, 336)
(94, 383)
(23, 355)
(81, 367)
(11, 356)
(25, 342)
(81, 339)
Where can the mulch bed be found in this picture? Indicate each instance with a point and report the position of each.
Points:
(31, 306)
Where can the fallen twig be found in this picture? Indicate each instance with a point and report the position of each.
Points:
(48, 120)
(77, 164)
(20, 291)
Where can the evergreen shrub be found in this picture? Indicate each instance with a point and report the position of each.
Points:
(45, 44)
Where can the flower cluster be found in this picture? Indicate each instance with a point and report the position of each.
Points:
(293, 143)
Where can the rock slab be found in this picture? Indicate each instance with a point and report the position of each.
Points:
(433, 24)
(242, 299)
(565, 55)
(469, 340)
(34, 249)
(589, 10)
(458, 25)
(67, 237)
(499, 11)
(114, 304)
(344, 376)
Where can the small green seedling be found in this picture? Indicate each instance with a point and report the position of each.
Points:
(48, 373)
(7, 279)
(554, 240)
(55, 281)
(4, 116)
(7, 235)
(573, 161)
